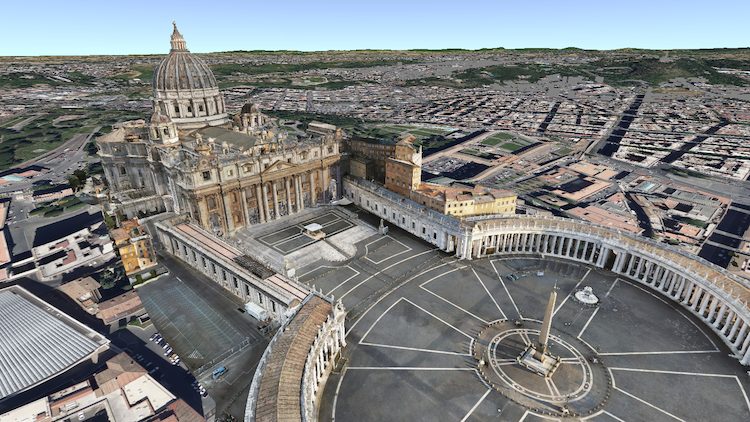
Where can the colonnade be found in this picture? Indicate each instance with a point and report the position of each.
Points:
(321, 359)
(722, 312)
(716, 296)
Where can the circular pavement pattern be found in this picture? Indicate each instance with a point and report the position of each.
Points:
(578, 386)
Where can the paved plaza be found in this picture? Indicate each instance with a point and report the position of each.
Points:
(203, 325)
(418, 318)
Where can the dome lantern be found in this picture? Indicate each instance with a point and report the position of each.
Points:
(178, 42)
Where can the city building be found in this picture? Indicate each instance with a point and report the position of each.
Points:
(67, 244)
(51, 194)
(225, 173)
(403, 175)
(85, 292)
(120, 310)
(40, 342)
(229, 267)
(371, 154)
(122, 392)
(462, 200)
(5, 252)
(134, 245)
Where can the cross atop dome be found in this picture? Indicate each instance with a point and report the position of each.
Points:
(177, 41)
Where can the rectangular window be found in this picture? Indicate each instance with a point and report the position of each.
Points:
(206, 175)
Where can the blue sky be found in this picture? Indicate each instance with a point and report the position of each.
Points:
(114, 27)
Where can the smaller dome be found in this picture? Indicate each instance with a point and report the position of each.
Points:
(158, 118)
(249, 108)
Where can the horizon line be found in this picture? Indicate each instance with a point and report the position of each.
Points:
(391, 50)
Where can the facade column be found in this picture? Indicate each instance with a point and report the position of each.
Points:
(245, 208)
(275, 196)
(288, 196)
(298, 192)
(313, 200)
(228, 217)
(325, 178)
(259, 204)
(266, 210)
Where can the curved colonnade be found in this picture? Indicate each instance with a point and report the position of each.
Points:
(717, 297)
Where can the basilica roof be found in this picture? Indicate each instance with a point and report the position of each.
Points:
(181, 70)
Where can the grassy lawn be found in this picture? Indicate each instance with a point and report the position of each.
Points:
(497, 138)
(511, 146)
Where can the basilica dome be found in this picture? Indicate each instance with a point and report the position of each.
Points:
(185, 88)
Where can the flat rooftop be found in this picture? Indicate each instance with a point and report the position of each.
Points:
(39, 341)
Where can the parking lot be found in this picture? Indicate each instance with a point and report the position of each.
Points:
(204, 326)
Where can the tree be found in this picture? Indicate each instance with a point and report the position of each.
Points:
(81, 175)
(74, 182)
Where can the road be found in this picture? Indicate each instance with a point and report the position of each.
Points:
(61, 161)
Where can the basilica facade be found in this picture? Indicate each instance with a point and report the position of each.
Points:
(226, 172)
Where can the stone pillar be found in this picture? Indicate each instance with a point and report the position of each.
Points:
(245, 209)
(712, 310)
(298, 192)
(265, 202)
(288, 195)
(276, 213)
(720, 315)
(228, 217)
(325, 179)
(687, 293)
(728, 323)
(259, 203)
(631, 263)
(707, 298)
(313, 200)
(743, 340)
(735, 327)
